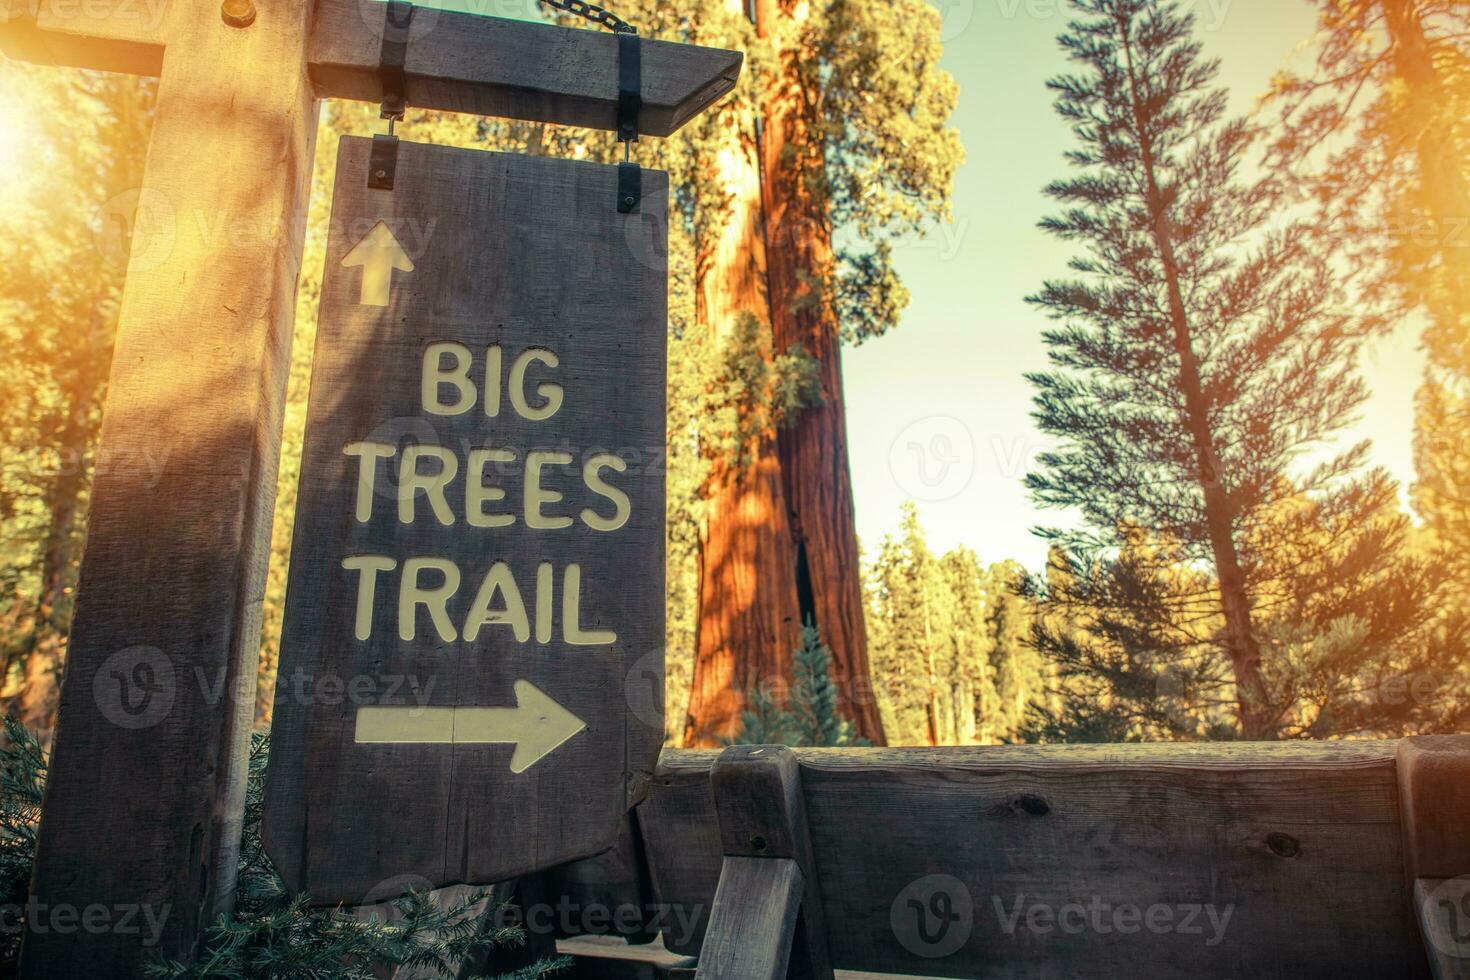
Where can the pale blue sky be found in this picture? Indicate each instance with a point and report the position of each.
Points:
(938, 409)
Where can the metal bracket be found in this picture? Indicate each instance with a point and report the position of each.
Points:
(392, 59)
(630, 186)
(383, 162)
(630, 84)
(630, 103)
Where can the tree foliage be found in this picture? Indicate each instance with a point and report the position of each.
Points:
(950, 642)
(806, 711)
(1203, 361)
(1378, 136)
(271, 934)
(70, 204)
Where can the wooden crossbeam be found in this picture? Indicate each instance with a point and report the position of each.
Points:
(930, 862)
(456, 61)
(126, 36)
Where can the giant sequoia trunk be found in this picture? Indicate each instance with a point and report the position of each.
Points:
(813, 452)
(749, 621)
(780, 542)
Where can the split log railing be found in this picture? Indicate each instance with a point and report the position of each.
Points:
(1341, 859)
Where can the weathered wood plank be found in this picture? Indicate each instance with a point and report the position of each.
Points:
(610, 958)
(145, 800)
(1434, 792)
(126, 36)
(1434, 799)
(456, 61)
(526, 258)
(607, 895)
(762, 814)
(1299, 843)
(752, 921)
(498, 67)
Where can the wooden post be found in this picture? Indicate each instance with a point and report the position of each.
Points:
(140, 836)
(767, 921)
(144, 805)
(1434, 800)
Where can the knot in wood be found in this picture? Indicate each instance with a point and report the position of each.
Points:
(1026, 804)
(1283, 845)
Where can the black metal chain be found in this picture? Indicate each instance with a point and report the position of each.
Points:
(594, 13)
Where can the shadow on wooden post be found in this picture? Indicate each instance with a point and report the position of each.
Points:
(1434, 800)
(767, 920)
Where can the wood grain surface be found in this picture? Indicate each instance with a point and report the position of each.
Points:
(458, 61)
(1301, 843)
(146, 793)
(515, 253)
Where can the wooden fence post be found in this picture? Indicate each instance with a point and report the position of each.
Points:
(145, 800)
(767, 920)
(1434, 800)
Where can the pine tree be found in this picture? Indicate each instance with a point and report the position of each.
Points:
(1201, 353)
(1379, 135)
(908, 602)
(950, 642)
(1020, 676)
(806, 713)
(968, 641)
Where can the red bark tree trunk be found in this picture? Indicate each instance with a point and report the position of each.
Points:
(749, 622)
(813, 452)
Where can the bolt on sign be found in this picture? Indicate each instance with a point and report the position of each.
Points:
(477, 565)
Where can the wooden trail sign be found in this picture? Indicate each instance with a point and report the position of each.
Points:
(477, 562)
(146, 792)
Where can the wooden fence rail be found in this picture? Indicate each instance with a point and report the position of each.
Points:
(1283, 860)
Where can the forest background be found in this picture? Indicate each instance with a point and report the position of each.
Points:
(863, 263)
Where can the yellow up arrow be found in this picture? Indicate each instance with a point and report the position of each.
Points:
(537, 725)
(379, 254)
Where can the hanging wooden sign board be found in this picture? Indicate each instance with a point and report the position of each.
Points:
(477, 565)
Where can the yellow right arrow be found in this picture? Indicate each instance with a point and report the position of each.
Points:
(379, 254)
(537, 725)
